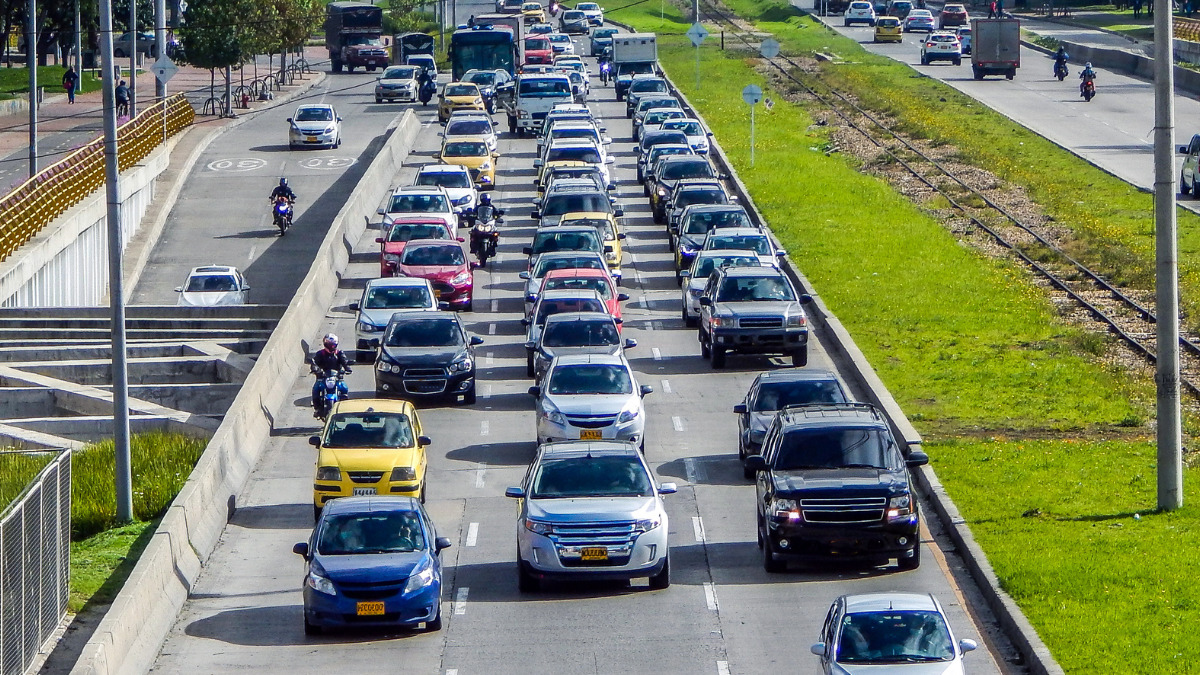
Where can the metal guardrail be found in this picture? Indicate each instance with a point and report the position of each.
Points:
(38, 201)
(1184, 28)
(35, 562)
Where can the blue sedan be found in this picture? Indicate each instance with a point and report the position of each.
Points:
(372, 561)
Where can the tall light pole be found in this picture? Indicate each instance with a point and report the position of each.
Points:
(78, 47)
(1166, 254)
(31, 64)
(133, 54)
(160, 42)
(116, 291)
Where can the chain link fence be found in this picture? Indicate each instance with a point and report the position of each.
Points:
(35, 554)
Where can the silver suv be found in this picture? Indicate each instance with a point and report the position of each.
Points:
(591, 510)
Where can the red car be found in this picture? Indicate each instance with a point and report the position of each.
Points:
(538, 50)
(400, 232)
(597, 280)
(444, 264)
(953, 15)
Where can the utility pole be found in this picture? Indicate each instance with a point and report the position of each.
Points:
(1166, 254)
(31, 64)
(133, 54)
(695, 11)
(160, 42)
(78, 46)
(116, 291)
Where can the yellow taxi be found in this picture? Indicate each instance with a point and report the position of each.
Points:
(888, 29)
(459, 96)
(370, 447)
(533, 12)
(473, 153)
(610, 232)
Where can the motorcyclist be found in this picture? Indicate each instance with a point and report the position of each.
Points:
(605, 66)
(1060, 58)
(1087, 75)
(426, 86)
(485, 217)
(328, 358)
(283, 190)
(485, 210)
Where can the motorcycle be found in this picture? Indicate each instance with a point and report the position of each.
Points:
(428, 89)
(605, 69)
(554, 9)
(1088, 89)
(332, 388)
(484, 237)
(1060, 70)
(282, 213)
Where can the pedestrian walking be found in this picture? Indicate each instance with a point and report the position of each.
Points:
(121, 93)
(1137, 9)
(70, 82)
(999, 9)
(992, 9)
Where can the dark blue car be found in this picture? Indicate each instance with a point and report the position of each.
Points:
(372, 561)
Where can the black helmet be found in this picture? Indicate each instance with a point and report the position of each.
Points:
(282, 182)
(486, 200)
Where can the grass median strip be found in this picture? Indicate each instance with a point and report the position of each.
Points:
(1042, 443)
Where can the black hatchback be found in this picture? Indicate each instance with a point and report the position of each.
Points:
(426, 354)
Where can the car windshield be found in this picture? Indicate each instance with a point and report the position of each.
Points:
(837, 448)
(705, 196)
(590, 378)
(748, 242)
(410, 231)
(314, 115)
(659, 151)
(408, 203)
(590, 477)
(465, 149)
(660, 116)
(411, 297)
(677, 170)
(603, 33)
(556, 205)
(580, 334)
(369, 430)
(546, 263)
(401, 73)
(583, 153)
(566, 241)
(773, 396)
(648, 103)
(574, 132)
(559, 86)
(894, 637)
(462, 90)
(689, 128)
(482, 78)
(563, 305)
(451, 254)
(477, 127)
(536, 44)
(581, 283)
(437, 332)
(888, 22)
(663, 137)
(643, 86)
(211, 283)
(364, 40)
(589, 6)
(559, 37)
(943, 38)
(446, 179)
(359, 533)
(754, 289)
(569, 16)
(706, 264)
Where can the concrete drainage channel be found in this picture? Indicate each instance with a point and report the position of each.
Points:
(130, 634)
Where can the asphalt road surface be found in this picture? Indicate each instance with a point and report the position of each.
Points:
(722, 614)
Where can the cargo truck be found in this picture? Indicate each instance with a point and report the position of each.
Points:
(632, 54)
(407, 44)
(354, 36)
(995, 47)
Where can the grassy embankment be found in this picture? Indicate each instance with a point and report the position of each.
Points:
(103, 553)
(15, 81)
(1044, 446)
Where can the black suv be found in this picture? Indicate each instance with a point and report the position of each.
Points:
(833, 483)
(426, 354)
(667, 174)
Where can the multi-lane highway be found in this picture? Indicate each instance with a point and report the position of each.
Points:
(723, 613)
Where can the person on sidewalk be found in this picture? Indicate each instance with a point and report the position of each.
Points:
(70, 82)
(999, 9)
(121, 93)
(992, 9)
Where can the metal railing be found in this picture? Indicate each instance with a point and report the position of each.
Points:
(1185, 28)
(35, 557)
(38, 201)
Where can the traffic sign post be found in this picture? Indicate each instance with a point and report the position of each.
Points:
(696, 34)
(752, 94)
(164, 69)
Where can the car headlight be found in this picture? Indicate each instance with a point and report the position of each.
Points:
(553, 415)
(367, 327)
(900, 507)
(477, 101)
(404, 474)
(329, 473)
(611, 256)
(319, 583)
(629, 414)
(797, 320)
(421, 577)
(785, 508)
(688, 247)
(538, 527)
(719, 321)
(462, 365)
(328, 130)
(662, 192)
(695, 292)
(461, 278)
(647, 524)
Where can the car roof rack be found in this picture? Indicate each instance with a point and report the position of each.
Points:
(832, 409)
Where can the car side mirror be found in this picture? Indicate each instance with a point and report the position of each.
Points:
(380, 211)
(535, 391)
(610, 160)
(967, 645)
(756, 463)
(806, 299)
(378, 240)
(524, 321)
(685, 274)
(608, 249)
(354, 306)
(705, 301)
(1183, 149)
(723, 176)
(530, 345)
(674, 229)
(607, 140)
(818, 649)
(474, 264)
(528, 250)
(476, 340)
(611, 186)
(618, 212)
(621, 236)
(339, 119)
(630, 343)
(740, 409)
(646, 390)
(524, 275)
(289, 119)
(779, 253)
(440, 544)
(314, 441)
(535, 214)
(460, 240)
(622, 297)
(300, 548)
(514, 492)
(618, 320)
(916, 458)
(537, 163)
(179, 289)
(667, 488)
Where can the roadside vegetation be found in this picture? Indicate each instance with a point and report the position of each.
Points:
(15, 81)
(1041, 438)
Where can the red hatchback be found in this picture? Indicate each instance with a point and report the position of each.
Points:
(538, 50)
(444, 264)
(402, 231)
(597, 280)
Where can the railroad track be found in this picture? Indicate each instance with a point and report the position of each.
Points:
(1107, 304)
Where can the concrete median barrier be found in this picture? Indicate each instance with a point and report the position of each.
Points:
(128, 638)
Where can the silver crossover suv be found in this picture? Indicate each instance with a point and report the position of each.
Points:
(591, 510)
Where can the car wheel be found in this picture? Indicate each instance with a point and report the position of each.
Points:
(718, 356)
(423, 492)
(1184, 188)
(912, 562)
(846, 23)
(771, 563)
(311, 628)
(378, 100)
(469, 397)
(924, 61)
(316, 513)
(663, 579)
(469, 306)
(529, 365)
(436, 623)
(118, 53)
(526, 582)
(800, 358)
(704, 352)
(958, 62)
(750, 474)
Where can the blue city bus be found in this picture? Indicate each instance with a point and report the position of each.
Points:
(483, 48)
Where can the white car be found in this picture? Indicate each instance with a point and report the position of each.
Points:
(941, 46)
(561, 43)
(654, 119)
(573, 129)
(693, 129)
(426, 201)
(471, 126)
(593, 11)
(695, 278)
(576, 64)
(214, 286)
(579, 150)
(380, 300)
(315, 124)
(398, 83)
(454, 179)
(744, 239)
(590, 397)
(859, 12)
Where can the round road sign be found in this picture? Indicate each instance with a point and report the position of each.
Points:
(752, 94)
(769, 48)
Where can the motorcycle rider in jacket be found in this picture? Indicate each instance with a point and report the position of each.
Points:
(328, 358)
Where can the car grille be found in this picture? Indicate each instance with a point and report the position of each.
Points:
(761, 322)
(591, 421)
(616, 537)
(373, 590)
(839, 511)
(365, 476)
(425, 372)
(442, 288)
(425, 386)
(539, 116)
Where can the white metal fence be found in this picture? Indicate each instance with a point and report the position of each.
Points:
(35, 553)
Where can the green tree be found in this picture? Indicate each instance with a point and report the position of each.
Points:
(213, 36)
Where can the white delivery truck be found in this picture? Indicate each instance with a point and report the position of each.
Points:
(527, 100)
(995, 47)
(632, 54)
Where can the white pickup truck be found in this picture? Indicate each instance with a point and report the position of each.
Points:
(530, 97)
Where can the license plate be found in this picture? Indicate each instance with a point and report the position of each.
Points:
(311, 139)
(363, 492)
(595, 553)
(370, 609)
(589, 434)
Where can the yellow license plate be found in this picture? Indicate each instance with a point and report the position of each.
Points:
(589, 434)
(596, 553)
(370, 609)
(311, 139)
